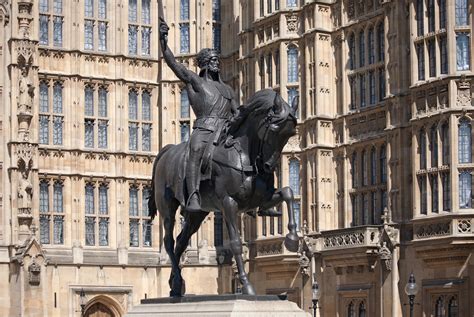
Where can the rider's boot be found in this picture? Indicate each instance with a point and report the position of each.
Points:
(192, 179)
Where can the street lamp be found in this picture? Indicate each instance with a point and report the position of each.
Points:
(411, 289)
(316, 295)
(82, 301)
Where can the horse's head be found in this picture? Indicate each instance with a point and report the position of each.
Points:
(275, 124)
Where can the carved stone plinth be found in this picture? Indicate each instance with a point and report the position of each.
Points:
(217, 305)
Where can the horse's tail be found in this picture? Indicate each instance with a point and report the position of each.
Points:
(152, 210)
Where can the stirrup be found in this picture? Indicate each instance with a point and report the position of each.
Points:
(193, 203)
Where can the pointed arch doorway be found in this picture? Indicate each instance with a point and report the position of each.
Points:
(99, 310)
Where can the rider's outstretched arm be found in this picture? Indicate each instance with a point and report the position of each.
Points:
(180, 71)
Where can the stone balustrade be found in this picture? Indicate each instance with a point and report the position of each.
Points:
(445, 227)
(363, 236)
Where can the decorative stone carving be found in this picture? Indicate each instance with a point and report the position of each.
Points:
(385, 256)
(350, 8)
(25, 52)
(34, 271)
(292, 22)
(464, 92)
(433, 230)
(24, 17)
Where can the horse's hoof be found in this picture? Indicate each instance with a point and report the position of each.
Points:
(292, 242)
(248, 289)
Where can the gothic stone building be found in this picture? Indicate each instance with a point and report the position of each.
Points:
(381, 167)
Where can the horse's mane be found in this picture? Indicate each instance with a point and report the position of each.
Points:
(260, 102)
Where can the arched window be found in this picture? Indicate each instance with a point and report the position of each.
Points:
(464, 142)
(371, 46)
(453, 307)
(295, 176)
(292, 64)
(184, 104)
(352, 51)
(365, 209)
(362, 309)
(465, 190)
(423, 195)
(422, 149)
(445, 141)
(419, 16)
(434, 193)
(351, 310)
(354, 169)
(355, 213)
(381, 42)
(434, 146)
(383, 164)
(361, 48)
(439, 307)
(373, 166)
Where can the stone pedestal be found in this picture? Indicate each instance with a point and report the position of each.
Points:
(218, 305)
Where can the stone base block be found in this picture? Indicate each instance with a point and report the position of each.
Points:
(218, 305)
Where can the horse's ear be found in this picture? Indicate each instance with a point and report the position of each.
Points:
(277, 104)
(295, 103)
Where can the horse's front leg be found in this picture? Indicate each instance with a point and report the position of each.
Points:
(285, 194)
(231, 220)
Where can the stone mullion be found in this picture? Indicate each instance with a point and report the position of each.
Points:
(415, 167)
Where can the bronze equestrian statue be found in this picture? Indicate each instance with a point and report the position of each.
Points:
(245, 152)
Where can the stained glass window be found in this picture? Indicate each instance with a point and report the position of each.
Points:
(146, 234)
(218, 230)
(351, 51)
(146, 137)
(43, 129)
(184, 132)
(44, 99)
(104, 231)
(134, 234)
(362, 88)
(58, 229)
(464, 142)
(442, 14)
(102, 9)
(381, 42)
(291, 3)
(297, 212)
(43, 6)
(431, 16)
(465, 190)
(146, 12)
(420, 53)
(354, 169)
(89, 35)
(292, 94)
(365, 209)
(423, 195)
(132, 39)
(434, 193)
(363, 168)
(44, 229)
(102, 36)
(133, 136)
(44, 197)
(371, 46)
(432, 58)
(57, 130)
(103, 200)
(132, 105)
(102, 137)
(146, 192)
(89, 133)
(132, 10)
(102, 102)
(43, 29)
(371, 87)
(58, 31)
(373, 167)
(420, 17)
(443, 54)
(184, 10)
(295, 176)
(381, 84)
(354, 202)
(89, 8)
(90, 231)
(292, 64)
(277, 67)
(184, 37)
(89, 200)
(463, 51)
(184, 104)
(462, 12)
(216, 10)
(57, 98)
(216, 37)
(446, 143)
(446, 191)
(146, 32)
(133, 201)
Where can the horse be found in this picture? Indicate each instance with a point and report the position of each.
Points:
(242, 180)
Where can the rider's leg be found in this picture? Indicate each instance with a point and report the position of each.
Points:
(197, 144)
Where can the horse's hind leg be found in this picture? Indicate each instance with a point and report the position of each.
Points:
(231, 219)
(168, 213)
(192, 222)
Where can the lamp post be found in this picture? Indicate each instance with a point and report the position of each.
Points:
(82, 301)
(411, 289)
(316, 294)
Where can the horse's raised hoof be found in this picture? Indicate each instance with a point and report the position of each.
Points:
(248, 289)
(292, 242)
